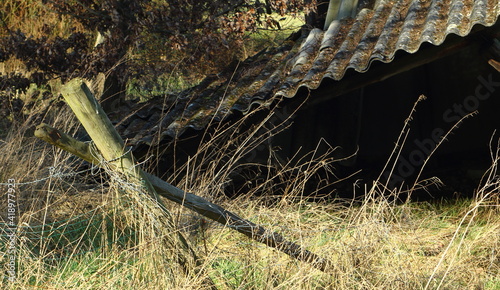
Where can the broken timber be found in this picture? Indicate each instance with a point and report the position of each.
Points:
(80, 96)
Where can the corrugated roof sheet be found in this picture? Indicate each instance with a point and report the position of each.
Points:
(375, 34)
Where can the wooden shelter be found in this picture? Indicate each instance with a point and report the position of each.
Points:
(358, 78)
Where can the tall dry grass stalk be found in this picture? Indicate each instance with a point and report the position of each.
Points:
(247, 151)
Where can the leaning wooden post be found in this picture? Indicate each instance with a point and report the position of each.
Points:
(97, 124)
(109, 143)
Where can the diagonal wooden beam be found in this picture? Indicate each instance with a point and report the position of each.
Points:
(495, 64)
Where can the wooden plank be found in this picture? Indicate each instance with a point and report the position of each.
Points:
(191, 201)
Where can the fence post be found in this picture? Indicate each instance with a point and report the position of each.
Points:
(112, 148)
(104, 135)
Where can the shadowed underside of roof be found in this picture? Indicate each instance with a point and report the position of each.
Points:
(375, 34)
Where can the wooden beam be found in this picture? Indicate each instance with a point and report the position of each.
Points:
(190, 201)
(65, 142)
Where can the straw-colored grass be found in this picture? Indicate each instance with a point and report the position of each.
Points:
(85, 228)
(124, 241)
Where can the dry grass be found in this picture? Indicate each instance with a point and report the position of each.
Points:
(374, 244)
(88, 231)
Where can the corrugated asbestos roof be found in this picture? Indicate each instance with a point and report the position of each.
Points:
(375, 34)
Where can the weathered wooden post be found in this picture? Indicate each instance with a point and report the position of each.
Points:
(110, 146)
(101, 130)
